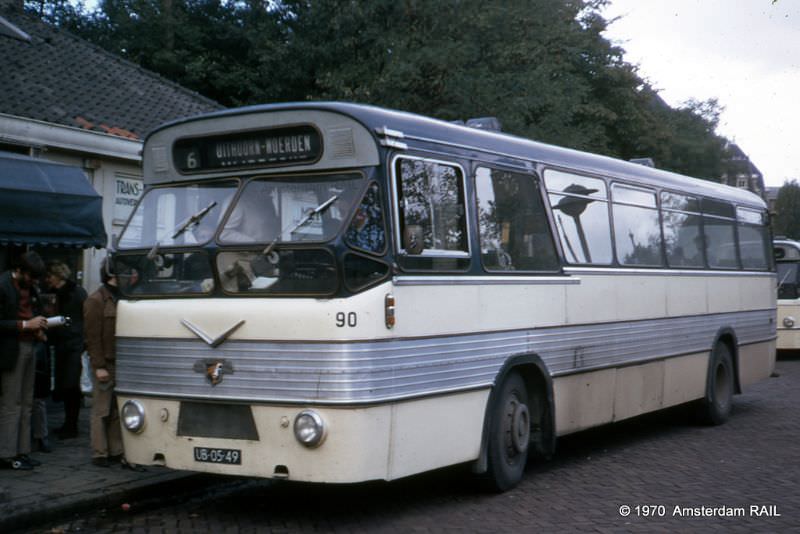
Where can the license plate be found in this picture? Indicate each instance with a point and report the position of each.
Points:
(218, 456)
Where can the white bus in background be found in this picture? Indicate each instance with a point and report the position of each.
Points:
(787, 260)
(334, 292)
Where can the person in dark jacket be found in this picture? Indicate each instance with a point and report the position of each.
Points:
(99, 323)
(21, 327)
(68, 342)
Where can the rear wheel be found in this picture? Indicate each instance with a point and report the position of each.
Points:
(715, 407)
(509, 434)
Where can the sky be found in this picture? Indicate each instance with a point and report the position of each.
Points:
(744, 53)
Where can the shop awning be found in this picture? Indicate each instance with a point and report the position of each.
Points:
(46, 203)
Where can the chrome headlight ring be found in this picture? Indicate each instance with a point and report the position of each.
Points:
(132, 415)
(310, 429)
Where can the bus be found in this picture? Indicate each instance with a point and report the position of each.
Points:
(334, 292)
(787, 259)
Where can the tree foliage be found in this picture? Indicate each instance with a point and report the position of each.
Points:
(541, 66)
(787, 211)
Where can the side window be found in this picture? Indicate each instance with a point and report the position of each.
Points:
(514, 233)
(580, 209)
(432, 221)
(720, 234)
(754, 243)
(367, 231)
(636, 228)
(683, 238)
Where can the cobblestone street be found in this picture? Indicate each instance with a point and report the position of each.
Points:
(671, 475)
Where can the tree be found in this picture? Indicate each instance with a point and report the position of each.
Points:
(786, 221)
(542, 67)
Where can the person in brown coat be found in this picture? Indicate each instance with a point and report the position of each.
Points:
(99, 323)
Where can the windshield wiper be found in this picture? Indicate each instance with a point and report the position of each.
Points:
(291, 228)
(181, 228)
(780, 284)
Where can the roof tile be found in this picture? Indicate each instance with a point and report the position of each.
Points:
(60, 78)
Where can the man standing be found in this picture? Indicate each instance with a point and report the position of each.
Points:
(21, 326)
(99, 323)
(69, 344)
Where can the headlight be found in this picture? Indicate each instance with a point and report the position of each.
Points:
(309, 428)
(132, 414)
(788, 322)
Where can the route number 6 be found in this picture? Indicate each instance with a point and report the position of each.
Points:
(191, 160)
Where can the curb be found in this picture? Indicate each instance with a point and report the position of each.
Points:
(112, 497)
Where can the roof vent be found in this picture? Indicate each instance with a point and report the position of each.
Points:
(485, 123)
(647, 162)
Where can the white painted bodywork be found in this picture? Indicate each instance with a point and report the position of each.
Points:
(388, 441)
(788, 337)
(400, 438)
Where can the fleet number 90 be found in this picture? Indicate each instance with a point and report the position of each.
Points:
(349, 319)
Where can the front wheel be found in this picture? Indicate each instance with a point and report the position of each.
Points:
(715, 407)
(509, 434)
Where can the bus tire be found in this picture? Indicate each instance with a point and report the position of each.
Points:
(715, 407)
(509, 435)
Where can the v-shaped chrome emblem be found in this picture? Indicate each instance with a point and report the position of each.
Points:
(212, 342)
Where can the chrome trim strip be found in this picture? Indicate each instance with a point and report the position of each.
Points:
(663, 272)
(411, 280)
(388, 132)
(367, 372)
(211, 342)
(391, 143)
(644, 360)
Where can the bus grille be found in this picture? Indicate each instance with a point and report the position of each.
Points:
(212, 420)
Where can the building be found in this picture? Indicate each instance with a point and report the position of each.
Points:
(739, 171)
(772, 197)
(65, 100)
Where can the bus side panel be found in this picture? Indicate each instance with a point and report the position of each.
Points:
(756, 362)
(475, 308)
(638, 390)
(588, 399)
(436, 432)
(758, 293)
(584, 400)
(685, 378)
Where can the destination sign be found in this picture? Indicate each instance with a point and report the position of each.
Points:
(260, 148)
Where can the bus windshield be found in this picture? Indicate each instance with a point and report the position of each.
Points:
(164, 211)
(787, 280)
(291, 210)
(248, 231)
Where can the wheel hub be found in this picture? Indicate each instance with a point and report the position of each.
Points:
(520, 427)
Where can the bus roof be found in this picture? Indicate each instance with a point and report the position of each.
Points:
(423, 128)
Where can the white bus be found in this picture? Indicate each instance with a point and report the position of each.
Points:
(334, 292)
(787, 259)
